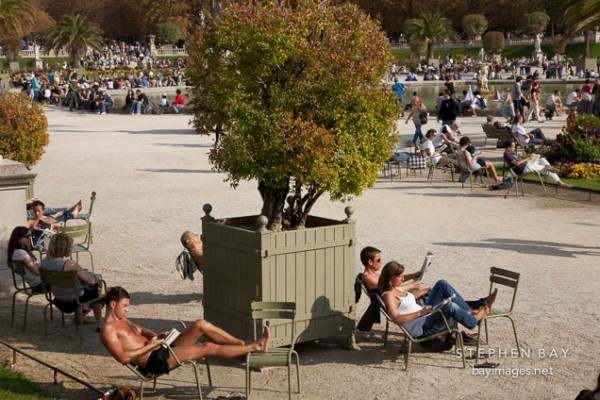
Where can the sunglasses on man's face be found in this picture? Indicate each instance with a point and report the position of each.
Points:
(377, 260)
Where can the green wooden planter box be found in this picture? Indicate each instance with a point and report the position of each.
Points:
(313, 267)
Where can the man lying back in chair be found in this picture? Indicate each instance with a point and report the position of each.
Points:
(128, 342)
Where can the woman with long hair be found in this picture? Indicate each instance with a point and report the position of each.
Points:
(20, 249)
(417, 320)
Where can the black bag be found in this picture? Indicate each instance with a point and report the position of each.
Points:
(507, 183)
(423, 117)
(442, 343)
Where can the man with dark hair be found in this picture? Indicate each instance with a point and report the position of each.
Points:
(370, 257)
(517, 96)
(128, 342)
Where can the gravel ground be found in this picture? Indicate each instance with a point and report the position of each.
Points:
(152, 177)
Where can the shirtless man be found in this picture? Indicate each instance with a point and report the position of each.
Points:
(128, 342)
(370, 257)
(192, 242)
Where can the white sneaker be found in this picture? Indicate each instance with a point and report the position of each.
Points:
(104, 113)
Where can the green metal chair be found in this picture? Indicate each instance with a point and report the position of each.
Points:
(66, 279)
(443, 166)
(17, 269)
(463, 164)
(275, 357)
(509, 279)
(518, 178)
(409, 340)
(86, 216)
(149, 377)
(81, 235)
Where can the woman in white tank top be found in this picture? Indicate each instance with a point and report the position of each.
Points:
(416, 319)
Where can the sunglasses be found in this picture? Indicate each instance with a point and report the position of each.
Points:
(378, 260)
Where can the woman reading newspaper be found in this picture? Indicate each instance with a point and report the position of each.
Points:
(418, 320)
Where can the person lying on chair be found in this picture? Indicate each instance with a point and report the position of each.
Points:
(531, 163)
(417, 320)
(128, 342)
(191, 259)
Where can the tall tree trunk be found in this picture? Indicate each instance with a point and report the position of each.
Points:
(273, 204)
(586, 35)
(429, 52)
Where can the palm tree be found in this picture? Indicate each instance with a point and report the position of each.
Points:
(582, 16)
(430, 28)
(76, 35)
(15, 15)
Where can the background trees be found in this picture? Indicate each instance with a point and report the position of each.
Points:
(296, 93)
(430, 28)
(76, 35)
(493, 42)
(474, 24)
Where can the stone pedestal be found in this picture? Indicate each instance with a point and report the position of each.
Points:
(538, 55)
(39, 64)
(14, 66)
(16, 185)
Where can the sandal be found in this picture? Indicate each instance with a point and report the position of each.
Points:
(487, 364)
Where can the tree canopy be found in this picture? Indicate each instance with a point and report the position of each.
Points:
(75, 34)
(296, 94)
(535, 22)
(493, 42)
(474, 24)
(430, 28)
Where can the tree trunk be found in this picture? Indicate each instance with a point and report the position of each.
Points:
(273, 204)
(300, 206)
(429, 52)
(586, 35)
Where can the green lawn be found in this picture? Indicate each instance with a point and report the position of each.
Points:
(574, 50)
(15, 386)
(590, 184)
(29, 62)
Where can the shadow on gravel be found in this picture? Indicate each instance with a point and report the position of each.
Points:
(530, 247)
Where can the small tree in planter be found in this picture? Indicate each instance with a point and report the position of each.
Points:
(294, 95)
(23, 128)
(474, 24)
(493, 42)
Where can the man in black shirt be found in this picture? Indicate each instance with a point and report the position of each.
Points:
(447, 111)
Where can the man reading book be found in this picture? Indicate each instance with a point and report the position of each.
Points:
(128, 342)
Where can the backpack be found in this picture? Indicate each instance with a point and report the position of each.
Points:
(124, 393)
(506, 183)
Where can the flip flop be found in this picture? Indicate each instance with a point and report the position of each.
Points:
(487, 364)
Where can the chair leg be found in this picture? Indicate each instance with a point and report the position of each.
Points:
(91, 260)
(478, 342)
(46, 320)
(154, 384)
(208, 372)
(290, 378)
(408, 344)
(487, 339)
(385, 334)
(461, 345)
(62, 314)
(12, 318)
(248, 383)
(79, 325)
(512, 321)
(142, 389)
(298, 371)
(25, 315)
(197, 372)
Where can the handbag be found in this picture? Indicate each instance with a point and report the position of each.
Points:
(423, 117)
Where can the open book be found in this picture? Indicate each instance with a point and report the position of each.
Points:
(442, 303)
(426, 263)
(173, 334)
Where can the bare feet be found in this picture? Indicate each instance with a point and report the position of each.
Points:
(482, 312)
(76, 209)
(265, 339)
(491, 298)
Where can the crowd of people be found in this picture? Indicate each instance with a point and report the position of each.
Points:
(85, 94)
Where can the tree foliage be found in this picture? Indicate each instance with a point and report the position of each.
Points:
(535, 22)
(493, 42)
(430, 28)
(417, 46)
(167, 33)
(75, 34)
(474, 24)
(23, 128)
(295, 94)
